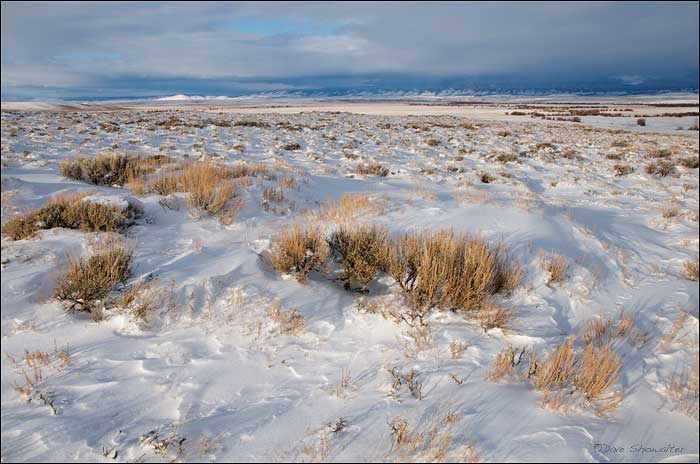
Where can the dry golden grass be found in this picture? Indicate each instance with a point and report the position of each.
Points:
(380, 307)
(557, 369)
(677, 327)
(509, 271)
(344, 383)
(623, 169)
(362, 252)
(409, 380)
(142, 299)
(372, 169)
(433, 442)
(509, 363)
(420, 338)
(31, 371)
(684, 388)
(491, 316)
(670, 212)
(604, 331)
(164, 183)
(241, 170)
(348, 209)
(229, 214)
(661, 168)
(298, 251)
(87, 280)
(290, 322)
(288, 183)
(208, 186)
(565, 375)
(690, 162)
(272, 195)
(457, 349)
(444, 270)
(71, 212)
(691, 269)
(113, 169)
(556, 265)
(597, 373)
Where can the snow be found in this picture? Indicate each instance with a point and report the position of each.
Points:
(212, 363)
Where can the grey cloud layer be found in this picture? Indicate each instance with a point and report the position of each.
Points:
(79, 44)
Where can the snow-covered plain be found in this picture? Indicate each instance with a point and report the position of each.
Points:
(212, 367)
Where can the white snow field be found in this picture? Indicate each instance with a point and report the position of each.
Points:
(212, 374)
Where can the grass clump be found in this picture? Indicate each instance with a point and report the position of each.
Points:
(623, 169)
(486, 178)
(566, 375)
(71, 211)
(691, 269)
(299, 251)
(207, 185)
(691, 162)
(507, 157)
(113, 169)
(556, 265)
(88, 280)
(661, 168)
(362, 252)
(372, 169)
(445, 270)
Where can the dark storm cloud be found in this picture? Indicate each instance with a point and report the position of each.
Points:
(107, 45)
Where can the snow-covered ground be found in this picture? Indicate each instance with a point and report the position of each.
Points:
(211, 378)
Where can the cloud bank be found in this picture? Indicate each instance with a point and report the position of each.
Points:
(93, 49)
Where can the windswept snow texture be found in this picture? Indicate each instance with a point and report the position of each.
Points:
(211, 366)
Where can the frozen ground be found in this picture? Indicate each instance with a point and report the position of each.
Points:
(212, 367)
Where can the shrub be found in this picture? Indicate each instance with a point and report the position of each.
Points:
(372, 169)
(348, 208)
(165, 183)
(299, 251)
(251, 123)
(683, 388)
(71, 169)
(290, 322)
(250, 170)
(510, 362)
(558, 367)
(486, 178)
(509, 271)
(556, 265)
(206, 187)
(507, 157)
(446, 271)
(641, 122)
(88, 280)
(433, 142)
(492, 316)
(603, 332)
(691, 162)
(362, 252)
(565, 374)
(661, 169)
(272, 195)
(114, 169)
(691, 269)
(71, 212)
(623, 169)
(596, 375)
